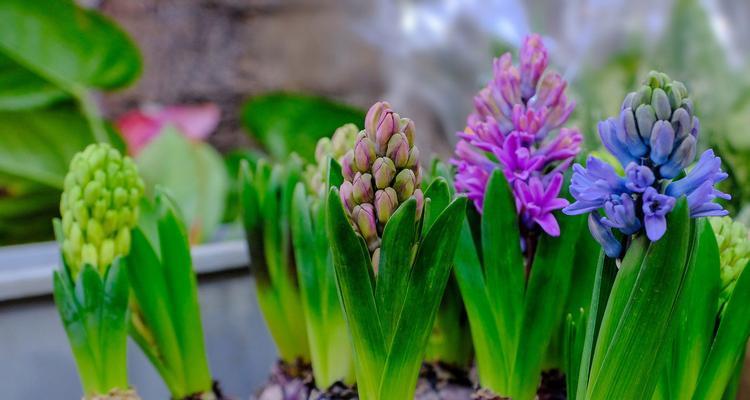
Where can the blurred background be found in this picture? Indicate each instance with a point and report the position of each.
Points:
(189, 88)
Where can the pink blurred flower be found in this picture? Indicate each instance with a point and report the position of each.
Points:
(140, 127)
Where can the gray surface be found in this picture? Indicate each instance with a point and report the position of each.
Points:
(25, 270)
(37, 362)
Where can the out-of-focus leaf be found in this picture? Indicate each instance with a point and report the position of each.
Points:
(37, 146)
(729, 343)
(193, 173)
(50, 46)
(287, 122)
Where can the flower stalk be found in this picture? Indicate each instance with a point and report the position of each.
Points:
(99, 207)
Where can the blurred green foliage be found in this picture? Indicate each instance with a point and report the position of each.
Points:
(52, 54)
(285, 123)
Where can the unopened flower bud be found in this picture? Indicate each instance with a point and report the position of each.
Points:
(99, 206)
(636, 147)
(384, 171)
(347, 198)
(646, 118)
(660, 102)
(413, 160)
(662, 141)
(674, 96)
(362, 191)
(734, 252)
(398, 150)
(342, 140)
(405, 184)
(347, 166)
(364, 153)
(408, 130)
(419, 196)
(372, 119)
(680, 158)
(389, 125)
(386, 202)
(323, 148)
(363, 216)
(681, 123)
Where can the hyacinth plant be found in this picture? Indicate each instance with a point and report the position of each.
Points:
(99, 207)
(662, 269)
(330, 348)
(164, 311)
(266, 194)
(392, 250)
(516, 255)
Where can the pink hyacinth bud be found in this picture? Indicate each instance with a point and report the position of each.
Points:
(419, 196)
(413, 160)
(364, 153)
(362, 191)
(345, 192)
(533, 63)
(408, 129)
(384, 170)
(363, 216)
(386, 201)
(405, 184)
(388, 125)
(347, 166)
(398, 150)
(373, 117)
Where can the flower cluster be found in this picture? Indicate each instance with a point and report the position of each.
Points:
(515, 127)
(654, 138)
(99, 206)
(336, 147)
(734, 252)
(380, 173)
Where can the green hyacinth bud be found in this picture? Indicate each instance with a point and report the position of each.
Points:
(734, 252)
(381, 171)
(335, 147)
(99, 206)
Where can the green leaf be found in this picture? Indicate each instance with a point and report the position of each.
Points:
(21, 88)
(491, 364)
(353, 270)
(606, 270)
(193, 173)
(148, 281)
(651, 303)
(182, 291)
(544, 302)
(65, 47)
(696, 315)
(503, 265)
(396, 252)
(425, 289)
(439, 195)
(288, 122)
(37, 146)
(114, 328)
(729, 343)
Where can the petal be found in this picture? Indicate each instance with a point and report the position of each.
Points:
(656, 226)
(548, 223)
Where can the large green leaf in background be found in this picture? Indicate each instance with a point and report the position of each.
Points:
(287, 122)
(52, 48)
(193, 173)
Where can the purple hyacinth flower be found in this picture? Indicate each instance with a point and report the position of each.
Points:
(537, 202)
(518, 161)
(701, 201)
(656, 206)
(533, 56)
(608, 134)
(620, 214)
(708, 168)
(639, 177)
(591, 186)
(604, 236)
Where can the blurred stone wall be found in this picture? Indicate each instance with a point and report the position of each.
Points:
(224, 51)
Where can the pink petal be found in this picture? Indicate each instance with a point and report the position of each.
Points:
(549, 224)
(196, 122)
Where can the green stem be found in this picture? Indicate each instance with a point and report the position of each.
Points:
(92, 114)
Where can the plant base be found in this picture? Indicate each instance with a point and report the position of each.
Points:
(116, 394)
(439, 381)
(552, 387)
(287, 382)
(214, 394)
(337, 391)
